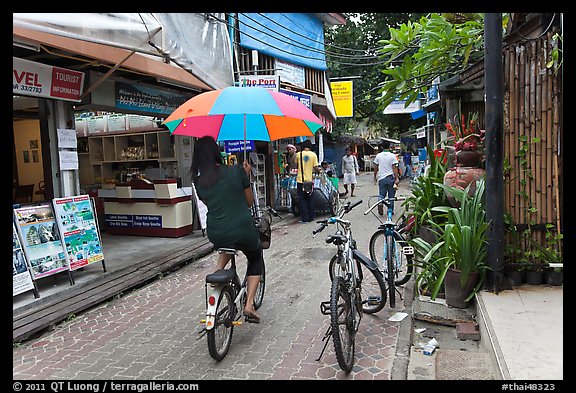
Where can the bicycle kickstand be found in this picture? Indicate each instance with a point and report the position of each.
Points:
(398, 292)
(327, 339)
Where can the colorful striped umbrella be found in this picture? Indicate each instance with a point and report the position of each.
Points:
(243, 113)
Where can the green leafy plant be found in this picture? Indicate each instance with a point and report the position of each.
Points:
(461, 243)
(426, 194)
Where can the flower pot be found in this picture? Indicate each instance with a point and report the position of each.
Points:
(455, 293)
(515, 278)
(460, 177)
(534, 278)
(467, 158)
(426, 233)
(554, 278)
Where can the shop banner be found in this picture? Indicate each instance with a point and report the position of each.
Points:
(77, 223)
(270, 82)
(343, 99)
(40, 80)
(40, 240)
(21, 278)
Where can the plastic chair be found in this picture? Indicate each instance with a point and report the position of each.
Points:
(24, 193)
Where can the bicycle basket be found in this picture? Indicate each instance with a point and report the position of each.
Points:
(263, 222)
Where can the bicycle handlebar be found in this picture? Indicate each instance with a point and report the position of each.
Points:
(385, 201)
(345, 209)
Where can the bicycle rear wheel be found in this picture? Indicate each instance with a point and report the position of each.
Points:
(342, 323)
(372, 284)
(220, 336)
(403, 262)
(261, 287)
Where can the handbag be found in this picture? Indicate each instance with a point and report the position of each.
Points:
(307, 186)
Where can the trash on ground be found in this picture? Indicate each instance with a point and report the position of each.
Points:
(419, 330)
(430, 347)
(397, 317)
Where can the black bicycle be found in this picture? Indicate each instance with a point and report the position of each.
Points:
(390, 250)
(348, 296)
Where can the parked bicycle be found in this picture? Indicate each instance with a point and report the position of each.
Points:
(389, 249)
(349, 298)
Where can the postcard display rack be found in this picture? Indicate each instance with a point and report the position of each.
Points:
(53, 239)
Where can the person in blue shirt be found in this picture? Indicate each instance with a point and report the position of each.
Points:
(407, 163)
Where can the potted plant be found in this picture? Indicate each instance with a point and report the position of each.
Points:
(464, 243)
(514, 259)
(551, 257)
(467, 139)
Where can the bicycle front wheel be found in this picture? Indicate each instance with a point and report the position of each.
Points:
(390, 250)
(342, 324)
(220, 336)
(403, 262)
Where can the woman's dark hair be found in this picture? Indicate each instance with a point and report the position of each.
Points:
(205, 162)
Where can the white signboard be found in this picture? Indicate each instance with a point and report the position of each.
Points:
(398, 107)
(41, 80)
(68, 159)
(21, 279)
(67, 138)
(291, 73)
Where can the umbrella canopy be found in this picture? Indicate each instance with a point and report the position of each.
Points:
(248, 113)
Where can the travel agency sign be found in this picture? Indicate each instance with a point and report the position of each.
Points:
(40, 80)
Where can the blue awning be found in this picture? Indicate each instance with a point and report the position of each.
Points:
(294, 37)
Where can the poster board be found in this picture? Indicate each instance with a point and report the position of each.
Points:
(41, 242)
(80, 238)
(21, 278)
(202, 209)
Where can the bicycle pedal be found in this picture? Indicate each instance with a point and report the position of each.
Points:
(325, 308)
(236, 323)
(373, 300)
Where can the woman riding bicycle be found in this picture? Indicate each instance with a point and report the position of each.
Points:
(227, 194)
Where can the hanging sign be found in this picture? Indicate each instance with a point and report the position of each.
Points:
(342, 97)
(21, 278)
(40, 240)
(40, 80)
(80, 239)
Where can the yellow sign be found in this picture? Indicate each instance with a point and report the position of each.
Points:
(342, 96)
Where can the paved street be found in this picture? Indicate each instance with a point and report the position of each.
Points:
(153, 331)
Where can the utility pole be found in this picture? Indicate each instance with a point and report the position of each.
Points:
(493, 71)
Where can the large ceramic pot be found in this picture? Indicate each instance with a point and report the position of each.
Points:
(455, 292)
(467, 158)
(460, 177)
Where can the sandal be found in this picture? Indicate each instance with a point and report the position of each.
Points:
(251, 317)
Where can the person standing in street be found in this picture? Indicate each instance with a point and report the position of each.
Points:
(290, 159)
(408, 163)
(307, 162)
(350, 169)
(386, 174)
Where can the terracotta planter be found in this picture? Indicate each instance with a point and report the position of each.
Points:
(455, 293)
(467, 158)
(460, 177)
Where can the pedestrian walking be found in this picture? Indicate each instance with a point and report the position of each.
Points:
(386, 174)
(307, 162)
(350, 169)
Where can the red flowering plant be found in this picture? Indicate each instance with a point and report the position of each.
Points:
(466, 134)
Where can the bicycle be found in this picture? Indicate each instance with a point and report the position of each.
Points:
(225, 304)
(389, 249)
(347, 305)
(227, 298)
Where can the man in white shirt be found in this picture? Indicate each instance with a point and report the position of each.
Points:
(350, 169)
(386, 174)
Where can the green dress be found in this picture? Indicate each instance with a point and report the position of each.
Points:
(229, 221)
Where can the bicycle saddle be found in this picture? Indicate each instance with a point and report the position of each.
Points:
(336, 239)
(221, 276)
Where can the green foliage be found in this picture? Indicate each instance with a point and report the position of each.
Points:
(417, 52)
(426, 194)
